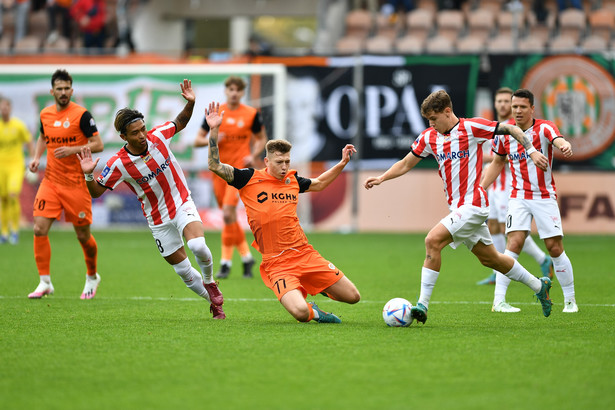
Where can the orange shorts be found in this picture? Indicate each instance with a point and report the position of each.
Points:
(225, 194)
(303, 268)
(52, 199)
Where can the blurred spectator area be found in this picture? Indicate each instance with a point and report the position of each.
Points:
(206, 28)
(478, 26)
(39, 38)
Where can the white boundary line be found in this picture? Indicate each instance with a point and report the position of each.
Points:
(381, 302)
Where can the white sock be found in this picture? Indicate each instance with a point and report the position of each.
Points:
(563, 271)
(499, 241)
(316, 315)
(502, 281)
(428, 282)
(45, 278)
(226, 262)
(247, 258)
(520, 274)
(191, 278)
(531, 248)
(203, 257)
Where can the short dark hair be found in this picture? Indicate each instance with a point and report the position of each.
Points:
(437, 102)
(524, 93)
(124, 117)
(61, 75)
(281, 146)
(237, 81)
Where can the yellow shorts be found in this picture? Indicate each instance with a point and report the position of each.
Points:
(303, 268)
(52, 199)
(11, 178)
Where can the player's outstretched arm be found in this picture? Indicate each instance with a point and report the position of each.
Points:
(214, 119)
(184, 116)
(87, 166)
(398, 169)
(517, 133)
(564, 146)
(325, 179)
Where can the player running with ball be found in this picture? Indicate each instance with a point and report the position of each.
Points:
(456, 145)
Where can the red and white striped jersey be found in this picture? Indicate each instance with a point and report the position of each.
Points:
(528, 181)
(154, 176)
(460, 158)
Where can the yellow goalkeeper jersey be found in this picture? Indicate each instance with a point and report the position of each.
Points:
(13, 135)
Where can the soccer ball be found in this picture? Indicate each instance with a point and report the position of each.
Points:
(396, 312)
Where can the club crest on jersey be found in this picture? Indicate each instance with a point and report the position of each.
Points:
(287, 181)
(147, 157)
(66, 123)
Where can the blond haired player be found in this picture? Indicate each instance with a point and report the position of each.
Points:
(291, 267)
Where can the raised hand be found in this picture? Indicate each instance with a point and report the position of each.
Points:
(85, 159)
(213, 116)
(187, 91)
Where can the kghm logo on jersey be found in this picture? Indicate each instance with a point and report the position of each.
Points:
(578, 96)
(276, 197)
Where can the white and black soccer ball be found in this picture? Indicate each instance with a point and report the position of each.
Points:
(396, 313)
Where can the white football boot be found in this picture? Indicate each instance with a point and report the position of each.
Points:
(504, 307)
(41, 290)
(89, 290)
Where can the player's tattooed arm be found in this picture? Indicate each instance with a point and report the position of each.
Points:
(214, 119)
(516, 133)
(224, 171)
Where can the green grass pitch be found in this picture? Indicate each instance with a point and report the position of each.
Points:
(147, 342)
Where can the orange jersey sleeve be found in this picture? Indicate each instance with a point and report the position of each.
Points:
(65, 128)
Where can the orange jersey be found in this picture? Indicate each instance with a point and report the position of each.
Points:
(236, 132)
(69, 127)
(271, 207)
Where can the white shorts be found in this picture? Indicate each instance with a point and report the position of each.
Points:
(467, 225)
(544, 211)
(168, 236)
(498, 205)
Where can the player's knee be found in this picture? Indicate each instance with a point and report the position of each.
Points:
(229, 219)
(199, 248)
(354, 296)
(40, 230)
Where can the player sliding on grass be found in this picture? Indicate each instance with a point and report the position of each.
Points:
(290, 266)
(455, 143)
(150, 169)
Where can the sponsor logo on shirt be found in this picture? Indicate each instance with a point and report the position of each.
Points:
(276, 197)
(105, 171)
(153, 174)
(454, 155)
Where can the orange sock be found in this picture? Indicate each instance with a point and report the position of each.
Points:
(90, 251)
(227, 235)
(311, 316)
(42, 254)
(244, 249)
